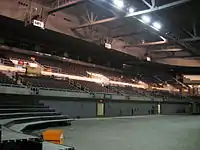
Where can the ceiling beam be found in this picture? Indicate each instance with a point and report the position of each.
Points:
(167, 50)
(146, 3)
(102, 6)
(129, 34)
(149, 44)
(167, 42)
(153, 9)
(174, 57)
(190, 39)
(65, 5)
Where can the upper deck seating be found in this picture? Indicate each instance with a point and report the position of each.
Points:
(95, 87)
(47, 82)
(63, 67)
(127, 90)
(73, 68)
(6, 79)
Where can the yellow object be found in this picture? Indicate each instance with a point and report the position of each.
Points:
(54, 136)
(100, 109)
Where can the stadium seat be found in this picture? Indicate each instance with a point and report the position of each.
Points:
(47, 82)
(5, 79)
(94, 87)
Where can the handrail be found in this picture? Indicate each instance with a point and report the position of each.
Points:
(12, 85)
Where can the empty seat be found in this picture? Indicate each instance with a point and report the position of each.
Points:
(6, 79)
(94, 87)
(47, 82)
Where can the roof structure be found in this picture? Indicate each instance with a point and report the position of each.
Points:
(170, 28)
(164, 31)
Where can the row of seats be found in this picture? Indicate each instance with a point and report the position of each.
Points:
(76, 69)
(72, 85)
(50, 82)
(5, 79)
(4, 59)
(47, 82)
(14, 112)
(94, 87)
(62, 67)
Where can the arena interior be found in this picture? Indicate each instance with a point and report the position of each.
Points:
(107, 74)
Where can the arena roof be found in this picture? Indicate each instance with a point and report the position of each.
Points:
(162, 28)
(156, 28)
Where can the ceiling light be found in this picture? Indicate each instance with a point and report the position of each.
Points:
(118, 3)
(146, 19)
(157, 25)
(131, 10)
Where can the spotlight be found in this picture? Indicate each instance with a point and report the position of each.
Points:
(157, 25)
(146, 19)
(118, 3)
(131, 10)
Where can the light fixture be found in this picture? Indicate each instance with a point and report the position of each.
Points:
(146, 19)
(118, 3)
(131, 10)
(157, 25)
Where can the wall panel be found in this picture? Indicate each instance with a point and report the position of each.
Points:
(73, 108)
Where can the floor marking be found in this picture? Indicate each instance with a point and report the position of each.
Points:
(123, 117)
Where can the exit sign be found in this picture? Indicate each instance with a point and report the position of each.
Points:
(38, 23)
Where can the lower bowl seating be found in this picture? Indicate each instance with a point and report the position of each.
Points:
(16, 115)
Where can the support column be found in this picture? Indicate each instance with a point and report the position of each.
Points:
(194, 108)
(159, 109)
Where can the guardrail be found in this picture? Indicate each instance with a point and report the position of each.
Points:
(42, 91)
(12, 85)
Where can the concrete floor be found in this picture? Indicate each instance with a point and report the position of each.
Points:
(148, 133)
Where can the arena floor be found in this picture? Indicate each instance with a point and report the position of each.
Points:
(147, 133)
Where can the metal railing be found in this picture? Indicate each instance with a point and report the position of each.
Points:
(12, 85)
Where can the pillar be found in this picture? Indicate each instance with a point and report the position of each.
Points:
(159, 109)
(194, 108)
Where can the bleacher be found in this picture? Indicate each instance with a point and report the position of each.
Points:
(94, 87)
(63, 67)
(5, 60)
(72, 68)
(23, 114)
(18, 116)
(24, 111)
(47, 82)
(6, 79)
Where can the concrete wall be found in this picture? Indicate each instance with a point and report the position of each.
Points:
(75, 107)
(80, 108)
(88, 108)
(167, 109)
(127, 108)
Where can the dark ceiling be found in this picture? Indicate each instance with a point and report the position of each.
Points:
(180, 23)
(13, 33)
